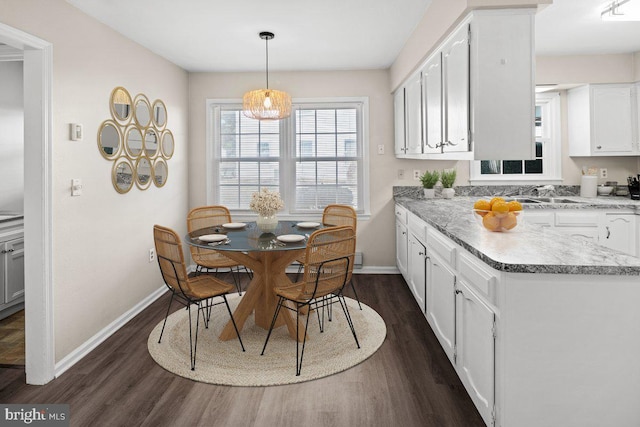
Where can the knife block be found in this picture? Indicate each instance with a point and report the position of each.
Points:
(634, 192)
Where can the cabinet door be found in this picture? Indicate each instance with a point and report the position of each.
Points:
(14, 269)
(413, 115)
(441, 302)
(432, 104)
(417, 268)
(611, 123)
(475, 349)
(619, 232)
(401, 248)
(455, 59)
(399, 123)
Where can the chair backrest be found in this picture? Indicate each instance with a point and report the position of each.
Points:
(207, 216)
(171, 259)
(329, 261)
(340, 215)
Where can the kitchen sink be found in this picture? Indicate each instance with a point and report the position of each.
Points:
(544, 200)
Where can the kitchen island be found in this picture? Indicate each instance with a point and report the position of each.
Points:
(543, 329)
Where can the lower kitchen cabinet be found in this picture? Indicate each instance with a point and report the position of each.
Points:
(402, 240)
(618, 231)
(417, 270)
(441, 282)
(11, 267)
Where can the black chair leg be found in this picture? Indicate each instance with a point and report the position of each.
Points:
(165, 316)
(236, 279)
(355, 294)
(233, 321)
(273, 322)
(304, 340)
(345, 309)
(193, 344)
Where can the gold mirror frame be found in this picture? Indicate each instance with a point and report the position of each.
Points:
(149, 145)
(122, 181)
(159, 117)
(131, 148)
(166, 153)
(115, 151)
(160, 178)
(142, 111)
(144, 173)
(120, 99)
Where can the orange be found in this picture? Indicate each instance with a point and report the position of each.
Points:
(496, 199)
(509, 221)
(514, 205)
(490, 222)
(500, 209)
(482, 205)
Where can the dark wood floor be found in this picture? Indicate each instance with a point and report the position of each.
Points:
(12, 340)
(407, 382)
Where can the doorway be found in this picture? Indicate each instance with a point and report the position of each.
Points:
(38, 72)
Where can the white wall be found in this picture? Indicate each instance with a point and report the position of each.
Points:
(11, 137)
(101, 239)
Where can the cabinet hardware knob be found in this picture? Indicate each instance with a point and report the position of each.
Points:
(420, 253)
(599, 147)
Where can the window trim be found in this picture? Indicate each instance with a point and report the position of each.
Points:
(550, 100)
(287, 130)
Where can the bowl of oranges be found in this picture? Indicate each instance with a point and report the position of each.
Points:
(498, 214)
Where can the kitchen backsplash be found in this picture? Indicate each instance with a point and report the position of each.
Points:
(415, 192)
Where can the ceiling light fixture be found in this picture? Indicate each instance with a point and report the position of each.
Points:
(266, 104)
(621, 10)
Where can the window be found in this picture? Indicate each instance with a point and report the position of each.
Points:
(314, 158)
(546, 165)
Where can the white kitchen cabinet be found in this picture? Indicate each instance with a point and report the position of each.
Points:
(413, 114)
(417, 269)
(11, 266)
(477, 91)
(618, 231)
(402, 241)
(475, 349)
(600, 120)
(399, 122)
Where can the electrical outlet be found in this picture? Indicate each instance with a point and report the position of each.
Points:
(416, 174)
(603, 173)
(152, 255)
(381, 149)
(400, 173)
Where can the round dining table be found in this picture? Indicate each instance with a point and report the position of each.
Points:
(267, 255)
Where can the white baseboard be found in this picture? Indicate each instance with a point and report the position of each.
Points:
(84, 349)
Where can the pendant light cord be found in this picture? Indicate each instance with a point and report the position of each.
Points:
(266, 41)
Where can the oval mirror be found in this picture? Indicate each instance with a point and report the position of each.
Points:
(133, 142)
(159, 114)
(151, 143)
(120, 104)
(109, 140)
(160, 172)
(143, 173)
(167, 144)
(122, 175)
(142, 111)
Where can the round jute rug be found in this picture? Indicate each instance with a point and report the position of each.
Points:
(224, 363)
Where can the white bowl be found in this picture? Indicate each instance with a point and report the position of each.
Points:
(604, 190)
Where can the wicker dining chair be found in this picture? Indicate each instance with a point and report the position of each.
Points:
(329, 263)
(336, 215)
(199, 290)
(208, 259)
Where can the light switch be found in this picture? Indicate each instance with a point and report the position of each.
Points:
(76, 187)
(75, 131)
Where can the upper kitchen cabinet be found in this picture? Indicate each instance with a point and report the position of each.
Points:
(600, 120)
(478, 90)
(408, 117)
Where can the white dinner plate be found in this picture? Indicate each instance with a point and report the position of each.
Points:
(234, 225)
(213, 237)
(308, 224)
(290, 238)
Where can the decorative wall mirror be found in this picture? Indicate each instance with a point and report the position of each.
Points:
(142, 113)
(160, 172)
(151, 146)
(122, 175)
(109, 140)
(120, 104)
(133, 142)
(159, 114)
(167, 144)
(136, 140)
(143, 173)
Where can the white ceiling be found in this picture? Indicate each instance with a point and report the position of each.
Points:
(218, 35)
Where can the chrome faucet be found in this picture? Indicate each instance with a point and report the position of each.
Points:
(546, 190)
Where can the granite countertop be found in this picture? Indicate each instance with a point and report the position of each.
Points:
(528, 248)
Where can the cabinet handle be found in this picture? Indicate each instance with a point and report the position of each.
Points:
(458, 291)
(420, 253)
(3, 252)
(404, 233)
(608, 232)
(599, 147)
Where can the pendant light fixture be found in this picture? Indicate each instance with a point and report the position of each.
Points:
(266, 104)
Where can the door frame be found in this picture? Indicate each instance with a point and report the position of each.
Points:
(38, 215)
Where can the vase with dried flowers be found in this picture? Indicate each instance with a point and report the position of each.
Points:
(266, 204)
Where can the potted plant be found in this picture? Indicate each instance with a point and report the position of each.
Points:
(447, 178)
(429, 179)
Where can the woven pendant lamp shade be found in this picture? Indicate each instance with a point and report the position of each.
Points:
(266, 104)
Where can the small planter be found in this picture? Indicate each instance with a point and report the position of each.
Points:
(448, 193)
(429, 193)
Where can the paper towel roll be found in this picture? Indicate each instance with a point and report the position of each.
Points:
(589, 186)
